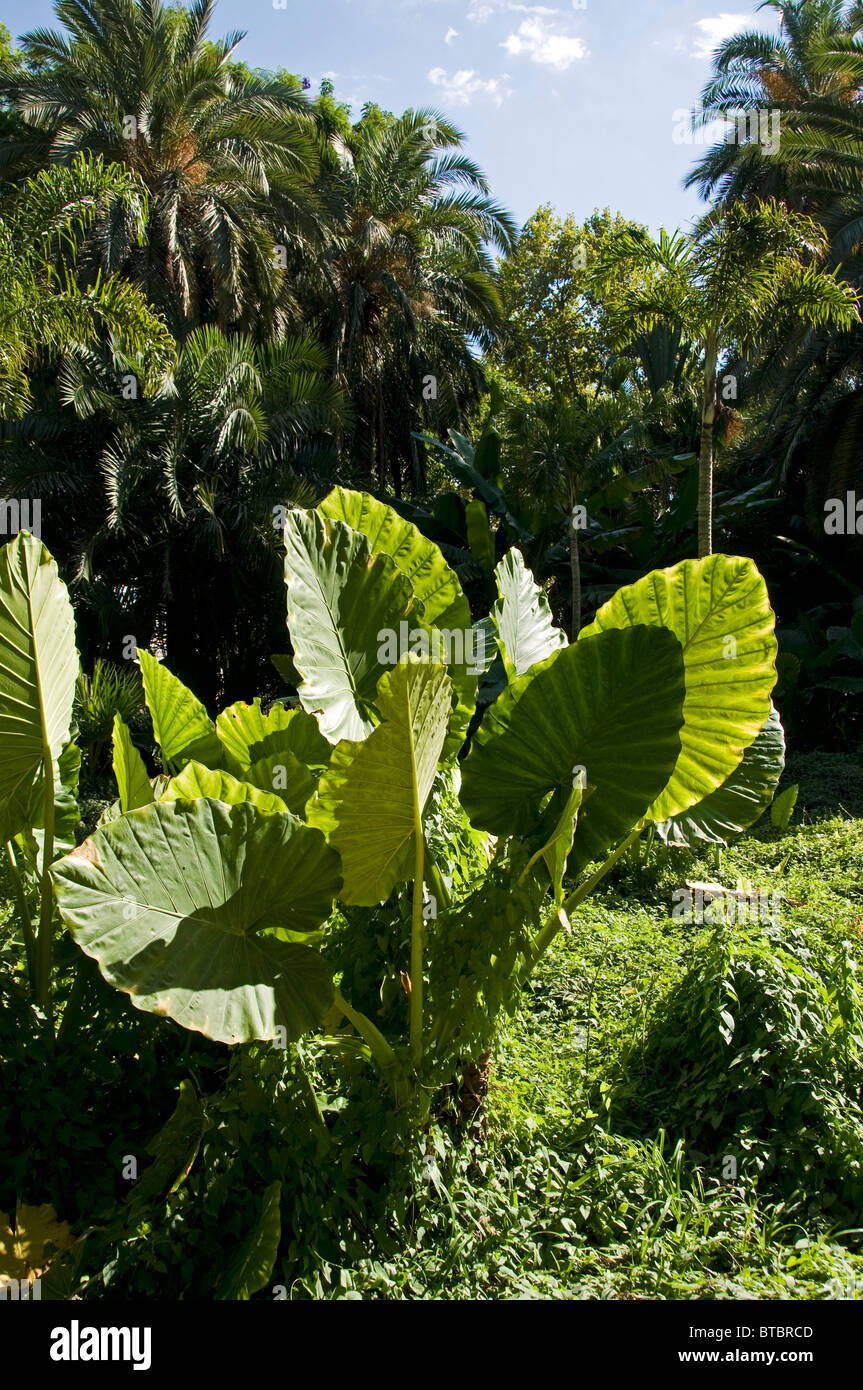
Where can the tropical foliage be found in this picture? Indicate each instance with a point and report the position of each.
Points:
(405, 619)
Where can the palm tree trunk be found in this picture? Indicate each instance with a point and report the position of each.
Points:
(381, 440)
(705, 458)
(574, 571)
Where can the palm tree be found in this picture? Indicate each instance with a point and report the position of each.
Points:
(785, 73)
(43, 311)
(563, 449)
(409, 283)
(741, 272)
(806, 384)
(229, 158)
(174, 532)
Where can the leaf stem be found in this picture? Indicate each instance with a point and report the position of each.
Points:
(77, 995)
(435, 881)
(547, 933)
(377, 1043)
(26, 922)
(45, 939)
(416, 1004)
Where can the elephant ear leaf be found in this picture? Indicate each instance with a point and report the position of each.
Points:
(719, 610)
(525, 627)
(435, 586)
(174, 1149)
(343, 603)
(555, 852)
(281, 751)
(133, 784)
(181, 724)
(741, 799)
(196, 781)
(603, 715)
(480, 536)
(38, 669)
(26, 809)
(783, 807)
(252, 1267)
(419, 559)
(249, 735)
(370, 801)
(185, 906)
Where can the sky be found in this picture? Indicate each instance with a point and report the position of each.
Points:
(571, 104)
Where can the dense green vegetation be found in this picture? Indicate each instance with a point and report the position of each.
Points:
(466, 935)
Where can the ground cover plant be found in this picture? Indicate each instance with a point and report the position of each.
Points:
(204, 892)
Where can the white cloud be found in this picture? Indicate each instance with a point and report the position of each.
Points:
(538, 42)
(459, 88)
(450, 35)
(479, 11)
(711, 32)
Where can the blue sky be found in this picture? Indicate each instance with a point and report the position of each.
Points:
(563, 103)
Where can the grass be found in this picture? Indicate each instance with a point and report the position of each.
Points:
(629, 1207)
(648, 1053)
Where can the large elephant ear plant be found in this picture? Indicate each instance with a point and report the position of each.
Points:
(205, 891)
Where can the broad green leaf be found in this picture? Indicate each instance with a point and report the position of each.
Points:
(419, 559)
(196, 781)
(480, 536)
(605, 712)
(24, 813)
(38, 668)
(251, 1268)
(741, 799)
(286, 777)
(249, 735)
(133, 784)
(783, 807)
(174, 1148)
(275, 751)
(442, 603)
(557, 849)
(37, 1238)
(181, 904)
(284, 664)
(181, 724)
(371, 799)
(485, 643)
(67, 816)
(719, 610)
(343, 603)
(18, 814)
(522, 617)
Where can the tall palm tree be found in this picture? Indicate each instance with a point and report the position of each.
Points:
(563, 449)
(174, 532)
(229, 158)
(43, 311)
(806, 384)
(741, 272)
(786, 73)
(409, 283)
